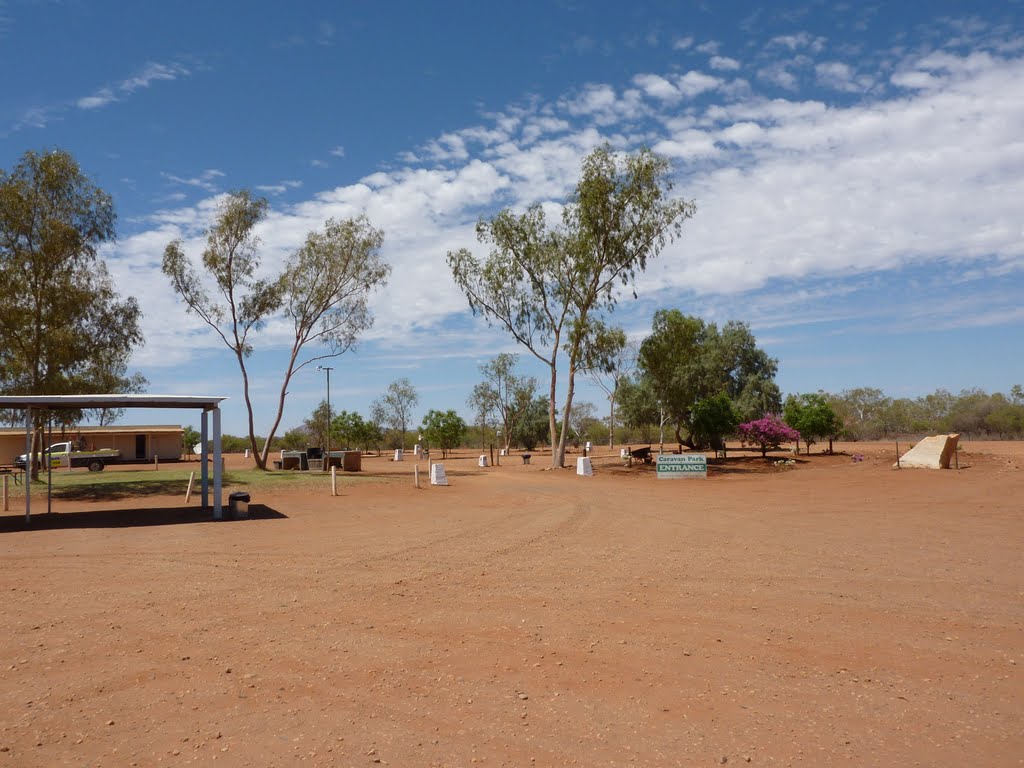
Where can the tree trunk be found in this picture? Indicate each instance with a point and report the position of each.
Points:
(555, 462)
(611, 422)
(261, 456)
(559, 461)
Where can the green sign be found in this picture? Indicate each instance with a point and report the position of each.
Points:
(672, 466)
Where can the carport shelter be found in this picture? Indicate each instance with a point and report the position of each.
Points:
(207, 405)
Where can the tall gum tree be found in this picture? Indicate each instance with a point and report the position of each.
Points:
(550, 286)
(322, 293)
(65, 328)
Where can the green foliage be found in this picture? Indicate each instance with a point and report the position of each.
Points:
(686, 360)
(295, 439)
(315, 426)
(353, 430)
(813, 417)
(712, 420)
(638, 405)
(582, 420)
(868, 413)
(1006, 420)
(609, 363)
(190, 438)
(443, 429)
(503, 393)
(65, 330)
(548, 286)
(322, 291)
(233, 444)
(394, 408)
(532, 428)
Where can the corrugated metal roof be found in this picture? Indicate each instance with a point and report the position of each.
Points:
(109, 401)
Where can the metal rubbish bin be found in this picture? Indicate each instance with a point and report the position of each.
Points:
(526, 458)
(238, 505)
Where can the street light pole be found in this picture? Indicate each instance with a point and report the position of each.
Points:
(328, 456)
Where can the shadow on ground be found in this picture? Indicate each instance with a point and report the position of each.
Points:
(127, 518)
(122, 490)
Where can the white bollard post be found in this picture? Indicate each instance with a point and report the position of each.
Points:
(191, 480)
(156, 463)
(415, 474)
(334, 481)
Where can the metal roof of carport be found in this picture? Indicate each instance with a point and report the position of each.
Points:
(110, 401)
(56, 402)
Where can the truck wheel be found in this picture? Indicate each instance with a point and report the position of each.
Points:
(95, 465)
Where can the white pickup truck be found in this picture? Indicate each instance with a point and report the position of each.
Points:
(67, 454)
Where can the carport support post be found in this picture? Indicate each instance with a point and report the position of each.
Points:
(218, 466)
(29, 460)
(204, 472)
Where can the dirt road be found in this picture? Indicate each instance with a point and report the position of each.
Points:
(835, 612)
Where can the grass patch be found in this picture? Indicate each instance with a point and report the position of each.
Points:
(113, 484)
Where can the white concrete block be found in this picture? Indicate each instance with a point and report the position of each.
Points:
(437, 475)
(482, 461)
(584, 467)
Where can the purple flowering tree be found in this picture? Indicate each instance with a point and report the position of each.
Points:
(768, 433)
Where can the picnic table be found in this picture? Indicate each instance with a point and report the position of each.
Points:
(17, 472)
(641, 454)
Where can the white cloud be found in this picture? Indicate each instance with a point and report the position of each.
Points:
(205, 180)
(787, 189)
(683, 43)
(723, 63)
(841, 77)
(151, 72)
(778, 73)
(99, 99)
(799, 41)
(694, 83)
(338, 151)
(657, 87)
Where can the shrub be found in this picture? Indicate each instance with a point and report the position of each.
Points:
(768, 433)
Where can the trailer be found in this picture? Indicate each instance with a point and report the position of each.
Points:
(68, 454)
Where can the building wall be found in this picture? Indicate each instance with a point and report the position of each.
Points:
(167, 442)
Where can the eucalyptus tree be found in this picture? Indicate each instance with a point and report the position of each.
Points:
(394, 408)
(322, 293)
(504, 392)
(65, 328)
(686, 360)
(611, 364)
(548, 286)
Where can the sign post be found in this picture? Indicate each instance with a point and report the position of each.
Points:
(675, 466)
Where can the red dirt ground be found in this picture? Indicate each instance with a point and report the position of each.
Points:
(832, 612)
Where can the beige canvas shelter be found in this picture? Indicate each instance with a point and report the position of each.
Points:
(934, 452)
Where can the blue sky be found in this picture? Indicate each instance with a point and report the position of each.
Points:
(858, 169)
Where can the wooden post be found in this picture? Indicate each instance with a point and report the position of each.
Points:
(156, 463)
(898, 455)
(191, 480)
(492, 454)
(415, 474)
(334, 481)
(6, 507)
(956, 465)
